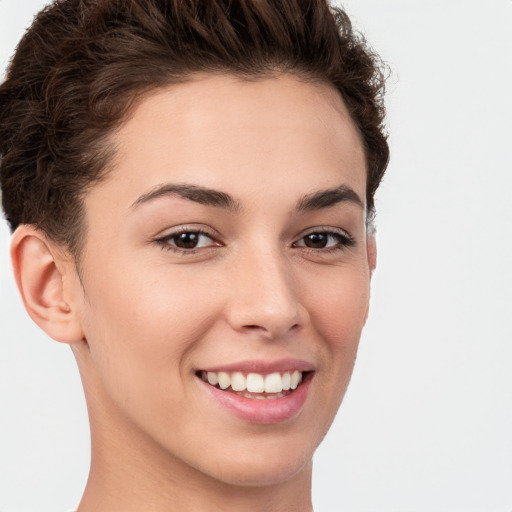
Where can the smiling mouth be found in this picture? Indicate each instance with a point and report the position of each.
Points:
(255, 385)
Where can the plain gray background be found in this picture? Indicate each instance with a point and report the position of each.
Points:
(426, 425)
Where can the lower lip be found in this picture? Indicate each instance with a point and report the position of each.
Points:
(262, 411)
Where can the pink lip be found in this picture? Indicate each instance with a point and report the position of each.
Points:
(265, 411)
(264, 367)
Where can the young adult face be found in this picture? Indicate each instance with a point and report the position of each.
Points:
(229, 237)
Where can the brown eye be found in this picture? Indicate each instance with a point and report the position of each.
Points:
(316, 240)
(327, 240)
(188, 240)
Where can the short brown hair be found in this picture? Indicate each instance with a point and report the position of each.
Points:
(83, 63)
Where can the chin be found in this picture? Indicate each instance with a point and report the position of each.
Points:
(258, 473)
(262, 462)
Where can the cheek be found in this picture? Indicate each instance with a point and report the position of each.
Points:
(339, 307)
(338, 311)
(141, 324)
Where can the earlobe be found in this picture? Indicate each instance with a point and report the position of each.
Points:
(41, 274)
(371, 251)
(371, 245)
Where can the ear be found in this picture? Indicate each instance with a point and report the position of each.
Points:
(371, 252)
(46, 276)
(371, 249)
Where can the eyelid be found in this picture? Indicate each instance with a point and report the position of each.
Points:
(186, 228)
(325, 229)
(328, 230)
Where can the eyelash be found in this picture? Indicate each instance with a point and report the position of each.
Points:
(165, 244)
(343, 240)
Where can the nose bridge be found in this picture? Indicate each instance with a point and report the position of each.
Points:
(264, 296)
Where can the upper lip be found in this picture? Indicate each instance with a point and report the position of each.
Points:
(263, 367)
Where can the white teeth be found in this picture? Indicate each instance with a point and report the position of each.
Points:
(255, 383)
(274, 383)
(286, 381)
(212, 378)
(224, 380)
(238, 382)
(296, 377)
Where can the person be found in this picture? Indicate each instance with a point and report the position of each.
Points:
(190, 187)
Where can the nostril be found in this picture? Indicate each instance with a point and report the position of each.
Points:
(254, 327)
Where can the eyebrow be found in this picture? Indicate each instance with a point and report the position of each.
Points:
(202, 195)
(327, 198)
(315, 201)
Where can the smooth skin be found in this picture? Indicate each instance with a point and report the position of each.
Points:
(171, 283)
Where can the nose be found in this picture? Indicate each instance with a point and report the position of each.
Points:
(264, 298)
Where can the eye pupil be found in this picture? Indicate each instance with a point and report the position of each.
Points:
(187, 240)
(316, 240)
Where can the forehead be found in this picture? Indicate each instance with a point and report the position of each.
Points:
(221, 131)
